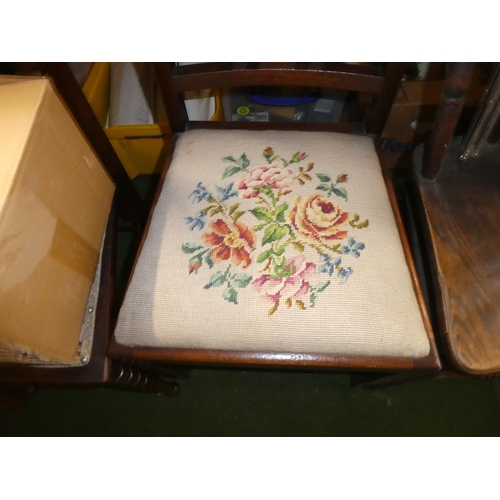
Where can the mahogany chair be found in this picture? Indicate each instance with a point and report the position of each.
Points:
(276, 244)
(94, 368)
(457, 184)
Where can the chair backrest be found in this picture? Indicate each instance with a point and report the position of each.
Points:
(380, 80)
(450, 108)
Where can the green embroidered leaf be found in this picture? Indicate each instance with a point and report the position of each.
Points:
(260, 227)
(274, 232)
(266, 190)
(340, 192)
(241, 280)
(207, 209)
(215, 211)
(217, 279)
(312, 299)
(298, 246)
(233, 208)
(323, 177)
(262, 213)
(280, 212)
(237, 215)
(190, 247)
(231, 170)
(243, 161)
(229, 158)
(280, 270)
(264, 256)
(208, 260)
(321, 286)
(290, 230)
(334, 248)
(323, 187)
(280, 250)
(231, 295)
(361, 225)
(315, 290)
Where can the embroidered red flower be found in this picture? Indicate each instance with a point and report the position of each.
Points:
(342, 178)
(230, 241)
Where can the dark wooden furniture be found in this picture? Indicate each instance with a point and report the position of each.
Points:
(382, 81)
(458, 184)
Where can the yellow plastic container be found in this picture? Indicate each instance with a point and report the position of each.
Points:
(96, 90)
(141, 148)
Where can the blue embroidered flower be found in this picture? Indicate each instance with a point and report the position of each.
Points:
(344, 273)
(200, 193)
(327, 265)
(226, 193)
(198, 221)
(352, 248)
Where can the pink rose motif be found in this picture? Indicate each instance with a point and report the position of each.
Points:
(290, 289)
(272, 176)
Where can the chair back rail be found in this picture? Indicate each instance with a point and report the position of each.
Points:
(174, 80)
(450, 107)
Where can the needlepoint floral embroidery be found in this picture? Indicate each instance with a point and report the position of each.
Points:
(260, 224)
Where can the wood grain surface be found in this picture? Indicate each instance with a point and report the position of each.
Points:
(460, 212)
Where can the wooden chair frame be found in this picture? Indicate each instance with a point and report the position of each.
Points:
(137, 368)
(175, 80)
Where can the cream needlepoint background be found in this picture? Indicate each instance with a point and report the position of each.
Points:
(274, 242)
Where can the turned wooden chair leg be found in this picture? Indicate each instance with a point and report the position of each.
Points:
(135, 379)
(163, 370)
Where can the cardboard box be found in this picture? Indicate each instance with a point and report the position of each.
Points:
(412, 117)
(55, 199)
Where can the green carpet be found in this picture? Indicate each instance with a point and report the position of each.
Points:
(237, 403)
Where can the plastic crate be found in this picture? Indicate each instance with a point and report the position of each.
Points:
(246, 104)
